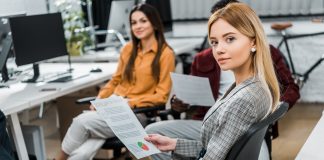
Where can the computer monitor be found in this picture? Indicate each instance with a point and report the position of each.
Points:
(164, 9)
(5, 44)
(6, 47)
(37, 38)
(4, 28)
(119, 17)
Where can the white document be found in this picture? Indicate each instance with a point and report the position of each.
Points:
(123, 122)
(192, 89)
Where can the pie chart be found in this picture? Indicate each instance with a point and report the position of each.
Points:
(143, 146)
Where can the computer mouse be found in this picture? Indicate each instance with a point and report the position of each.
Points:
(94, 70)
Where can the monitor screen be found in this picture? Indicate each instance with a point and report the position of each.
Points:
(164, 9)
(6, 46)
(119, 16)
(37, 38)
(4, 28)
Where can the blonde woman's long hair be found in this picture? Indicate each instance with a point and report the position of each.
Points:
(245, 20)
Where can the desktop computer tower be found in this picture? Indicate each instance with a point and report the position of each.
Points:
(34, 140)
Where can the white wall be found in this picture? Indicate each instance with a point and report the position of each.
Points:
(305, 52)
(286, 7)
(29, 7)
(191, 9)
(11, 7)
(34, 7)
(200, 9)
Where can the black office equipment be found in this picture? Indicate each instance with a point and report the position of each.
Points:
(6, 46)
(62, 79)
(164, 9)
(67, 78)
(37, 38)
(95, 70)
(249, 144)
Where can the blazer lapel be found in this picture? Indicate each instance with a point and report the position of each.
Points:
(227, 96)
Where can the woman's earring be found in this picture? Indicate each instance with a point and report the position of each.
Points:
(253, 50)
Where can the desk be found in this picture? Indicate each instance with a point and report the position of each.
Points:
(22, 96)
(313, 147)
(184, 44)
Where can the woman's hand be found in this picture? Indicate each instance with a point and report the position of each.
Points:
(178, 105)
(163, 143)
(92, 108)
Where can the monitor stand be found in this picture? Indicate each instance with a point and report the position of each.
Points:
(70, 66)
(4, 73)
(36, 71)
(36, 74)
(5, 77)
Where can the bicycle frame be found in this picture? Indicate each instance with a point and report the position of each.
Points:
(300, 79)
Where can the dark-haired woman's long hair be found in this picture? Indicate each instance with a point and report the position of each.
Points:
(153, 16)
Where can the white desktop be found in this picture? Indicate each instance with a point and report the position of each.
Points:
(23, 96)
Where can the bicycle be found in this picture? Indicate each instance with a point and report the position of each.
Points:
(300, 78)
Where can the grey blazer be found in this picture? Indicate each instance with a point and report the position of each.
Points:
(227, 120)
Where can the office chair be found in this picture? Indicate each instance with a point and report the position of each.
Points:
(114, 143)
(164, 114)
(249, 145)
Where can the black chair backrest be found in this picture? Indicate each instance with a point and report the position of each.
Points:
(249, 145)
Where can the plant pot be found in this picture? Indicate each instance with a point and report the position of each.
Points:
(75, 48)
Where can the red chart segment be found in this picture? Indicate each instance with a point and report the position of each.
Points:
(143, 146)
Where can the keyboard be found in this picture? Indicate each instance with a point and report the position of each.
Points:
(66, 78)
(61, 79)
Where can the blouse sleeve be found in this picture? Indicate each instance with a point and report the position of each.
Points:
(109, 88)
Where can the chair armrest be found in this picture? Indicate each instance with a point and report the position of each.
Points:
(85, 100)
(148, 109)
(164, 114)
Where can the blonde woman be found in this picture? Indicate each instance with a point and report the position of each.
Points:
(239, 44)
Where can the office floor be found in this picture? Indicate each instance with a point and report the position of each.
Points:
(294, 128)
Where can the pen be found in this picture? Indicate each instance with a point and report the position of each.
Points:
(48, 89)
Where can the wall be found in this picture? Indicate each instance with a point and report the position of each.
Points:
(305, 52)
(200, 9)
(29, 7)
(10, 7)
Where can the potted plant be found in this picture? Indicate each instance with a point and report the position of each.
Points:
(77, 36)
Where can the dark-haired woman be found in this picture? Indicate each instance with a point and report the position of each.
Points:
(142, 77)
